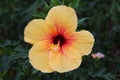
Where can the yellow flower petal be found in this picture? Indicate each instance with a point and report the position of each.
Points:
(38, 56)
(71, 52)
(62, 63)
(62, 17)
(84, 42)
(35, 31)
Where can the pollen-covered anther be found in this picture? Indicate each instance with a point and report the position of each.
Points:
(53, 48)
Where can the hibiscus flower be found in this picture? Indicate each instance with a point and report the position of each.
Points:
(56, 45)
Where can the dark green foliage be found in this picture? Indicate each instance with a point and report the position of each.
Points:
(101, 17)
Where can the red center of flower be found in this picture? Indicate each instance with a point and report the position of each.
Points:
(59, 39)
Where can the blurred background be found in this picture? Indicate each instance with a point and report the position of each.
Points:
(100, 17)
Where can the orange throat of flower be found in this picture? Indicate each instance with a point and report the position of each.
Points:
(60, 42)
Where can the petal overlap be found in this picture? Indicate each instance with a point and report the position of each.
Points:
(72, 52)
(62, 63)
(39, 57)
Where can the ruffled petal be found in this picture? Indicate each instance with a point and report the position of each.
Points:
(62, 63)
(84, 42)
(63, 18)
(35, 31)
(38, 56)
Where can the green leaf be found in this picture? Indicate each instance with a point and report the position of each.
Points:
(30, 11)
(80, 21)
(74, 3)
